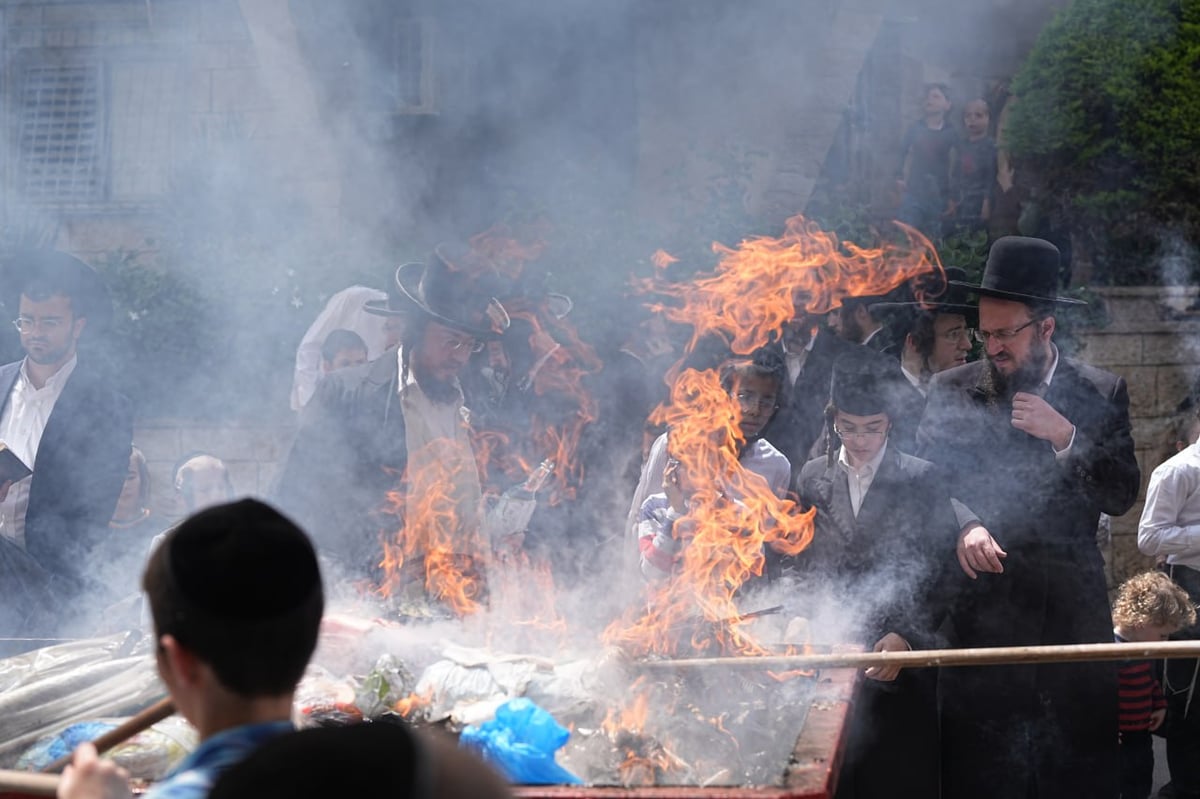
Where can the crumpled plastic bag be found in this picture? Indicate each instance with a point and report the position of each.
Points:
(521, 741)
(52, 747)
(149, 755)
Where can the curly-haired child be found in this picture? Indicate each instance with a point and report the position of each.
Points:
(1149, 607)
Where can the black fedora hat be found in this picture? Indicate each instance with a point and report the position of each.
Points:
(396, 303)
(948, 297)
(1022, 269)
(58, 273)
(457, 288)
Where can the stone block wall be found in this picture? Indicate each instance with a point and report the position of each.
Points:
(253, 454)
(1153, 341)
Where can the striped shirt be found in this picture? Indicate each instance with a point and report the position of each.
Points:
(1139, 693)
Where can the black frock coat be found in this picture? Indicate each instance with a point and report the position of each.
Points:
(1017, 731)
(891, 563)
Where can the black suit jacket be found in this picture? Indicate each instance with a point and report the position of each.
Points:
(348, 453)
(887, 568)
(894, 556)
(1043, 512)
(81, 464)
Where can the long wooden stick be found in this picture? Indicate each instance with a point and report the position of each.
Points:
(163, 708)
(28, 783)
(986, 656)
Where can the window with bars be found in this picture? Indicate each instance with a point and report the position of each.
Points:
(60, 134)
(93, 132)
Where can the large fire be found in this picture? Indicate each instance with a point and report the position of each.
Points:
(756, 284)
(437, 548)
(734, 518)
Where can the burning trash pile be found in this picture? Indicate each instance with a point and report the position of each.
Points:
(463, 631)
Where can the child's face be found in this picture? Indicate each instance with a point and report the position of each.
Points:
(936, 102)
(976, 118)
(757, 399)
(862, 436)
(1150, 632)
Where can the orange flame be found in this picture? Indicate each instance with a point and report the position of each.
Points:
(439, 540)
(662, 259)
(508, 252)
(411, 704)
(632, 717)
(733, 515)
(763, 282)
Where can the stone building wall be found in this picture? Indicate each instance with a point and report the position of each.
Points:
(253, 454)
(1153, 341)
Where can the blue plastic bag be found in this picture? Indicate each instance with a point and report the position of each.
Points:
(51, 747)
(521, 741)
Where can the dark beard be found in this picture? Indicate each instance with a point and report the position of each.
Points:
(438, 391)
(1000, 388)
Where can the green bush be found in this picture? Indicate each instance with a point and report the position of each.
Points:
(1106, 129)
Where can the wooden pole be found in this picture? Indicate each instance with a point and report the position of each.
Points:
(163, 708)
(986, 656)
(28, 783)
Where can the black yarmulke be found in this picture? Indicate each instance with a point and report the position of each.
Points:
(267, 565)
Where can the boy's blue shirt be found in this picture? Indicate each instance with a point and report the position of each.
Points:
(193, 778)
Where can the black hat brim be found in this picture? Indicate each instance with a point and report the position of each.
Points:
(1014, 295)
(89, 293)
(408, 281)
(931, 307)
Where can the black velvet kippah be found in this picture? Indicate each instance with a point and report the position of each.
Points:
(266, 564)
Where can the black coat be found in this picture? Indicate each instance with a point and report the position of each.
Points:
(81, 464)
(348, 453)
(892, 560)
(1015, 730)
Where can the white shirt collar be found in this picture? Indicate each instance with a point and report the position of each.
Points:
(867, 469)
(54, 382)
(1053, 367)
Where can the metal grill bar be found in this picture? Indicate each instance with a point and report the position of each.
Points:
(60, 133)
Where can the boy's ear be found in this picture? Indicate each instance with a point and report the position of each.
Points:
(180, 660)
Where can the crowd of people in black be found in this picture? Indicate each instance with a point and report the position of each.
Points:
(962, 496)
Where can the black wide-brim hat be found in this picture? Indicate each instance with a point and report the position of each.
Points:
(1021, 269)
(865, 382)
(396, 303)
(953, 299)
(59, 273)
(455, 292)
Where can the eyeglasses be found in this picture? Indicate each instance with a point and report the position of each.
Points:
(861, 435)
(1001, 336)
(749, 399)
(472, 345)
(958, 334)
(25, 324)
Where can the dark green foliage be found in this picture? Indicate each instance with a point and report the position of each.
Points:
(1107, 129)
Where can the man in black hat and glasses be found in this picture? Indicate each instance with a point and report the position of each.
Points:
(62, 418)
(1037, 445)
(378, 437)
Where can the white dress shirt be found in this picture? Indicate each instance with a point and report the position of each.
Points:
(21, 427)
(1170, 523)
(795, 360)
(860, 477)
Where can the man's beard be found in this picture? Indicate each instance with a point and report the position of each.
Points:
(441, 392)
(851, 329)
(1028, 377)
